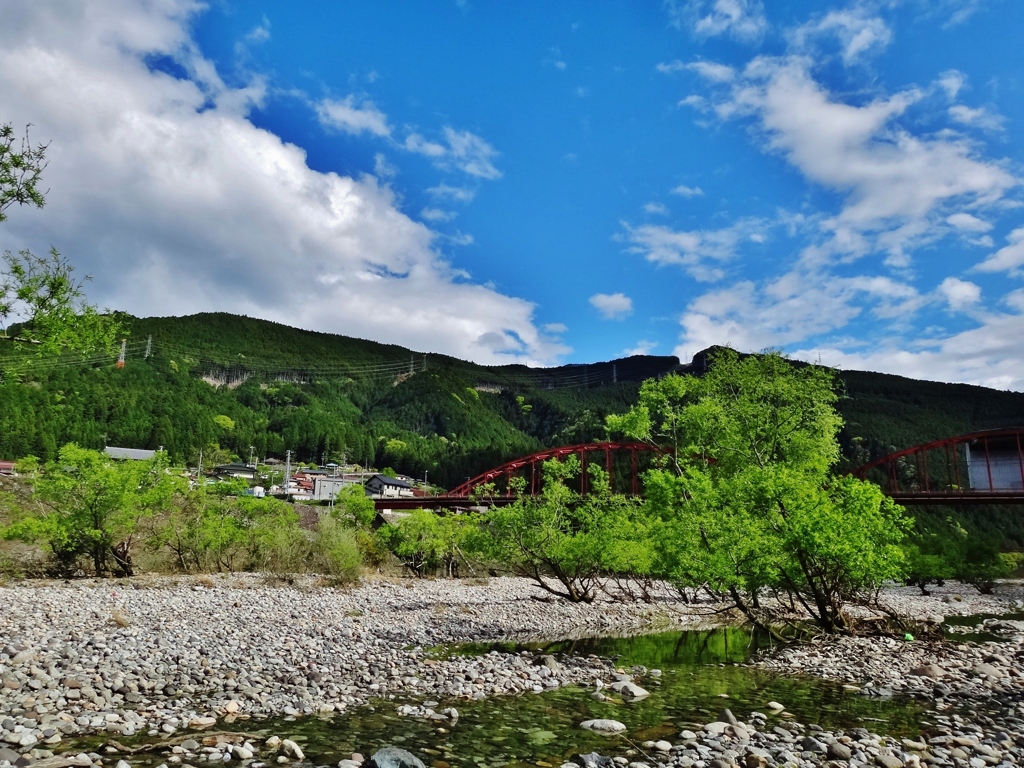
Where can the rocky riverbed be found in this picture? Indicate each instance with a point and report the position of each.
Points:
(162, 657)
(166, 654)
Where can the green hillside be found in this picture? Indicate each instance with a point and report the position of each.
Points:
(321, 395)
(313, 393)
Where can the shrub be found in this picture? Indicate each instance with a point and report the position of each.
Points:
(334, 551)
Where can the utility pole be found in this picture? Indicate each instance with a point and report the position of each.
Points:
(149, 345)
(120, 358)
(287, 471)
(199, 469)
(615, 374)
(252, 448)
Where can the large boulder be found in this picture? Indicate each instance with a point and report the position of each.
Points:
(394, 757)
(606, 727)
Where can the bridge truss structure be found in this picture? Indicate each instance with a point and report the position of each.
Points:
(977, 468)
(530, 469)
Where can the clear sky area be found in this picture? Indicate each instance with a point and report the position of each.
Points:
(544, 182)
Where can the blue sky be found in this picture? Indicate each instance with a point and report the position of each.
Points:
(545, 182)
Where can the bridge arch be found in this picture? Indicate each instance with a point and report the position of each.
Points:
(984, 467)
(586, 452)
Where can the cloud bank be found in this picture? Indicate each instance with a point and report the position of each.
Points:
(165, 191)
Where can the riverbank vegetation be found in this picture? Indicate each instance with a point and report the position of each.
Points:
(745, 506)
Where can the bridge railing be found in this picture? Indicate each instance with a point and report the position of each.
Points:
(980, 467)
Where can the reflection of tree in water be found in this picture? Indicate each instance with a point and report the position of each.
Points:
(685, 648)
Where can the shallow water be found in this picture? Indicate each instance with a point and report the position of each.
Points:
(698, 668)
(975, 622)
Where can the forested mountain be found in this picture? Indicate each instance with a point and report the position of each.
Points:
(235, 382)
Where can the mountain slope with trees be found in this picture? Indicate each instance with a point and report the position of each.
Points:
(330, 396)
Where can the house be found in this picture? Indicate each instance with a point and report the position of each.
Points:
(328, 488)
(136, 454)
(244, 471)
(384, 487)
(7, 468)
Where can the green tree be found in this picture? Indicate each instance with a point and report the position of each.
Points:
(21, 170)
(567, 543)
(426, 542)
(40, 293)
(351, 504)
(746, 504)
(86, 503)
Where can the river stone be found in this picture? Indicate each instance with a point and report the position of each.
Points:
(716, 728)
(9, 755)
(888, 761)
(738, 732)
(607, 727)
(933, 671)
(811, 744)
(630, 691)
(394, 757)
(726, 716)
(987, 670)
(293, 750)
(592, 760)
(549, 661)
(775, 706)
(838, 751)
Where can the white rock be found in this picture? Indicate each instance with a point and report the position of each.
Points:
(603, 726)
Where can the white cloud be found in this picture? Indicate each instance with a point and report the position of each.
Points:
(472, 154)
(1008, 258)
(556, 328)
(465, 151)
(741, 19)
(668, 67)
(656, 208)
(662, 245)
(352, 117)
(446, 191)
(857, 31)
(685, 191)
(959, 294)
(791, 308)
(436, 214)
(898, 187)
(382, 168)
(977, 118)
(968, 222)
(697, 102)
(164, 190)
(709, 70)
(643, 347)
(416, 143)
(614, 306)
(260, 33)
(951, 81)
(987, 355)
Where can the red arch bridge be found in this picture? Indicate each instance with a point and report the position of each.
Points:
(621, 460)
(977, 468)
